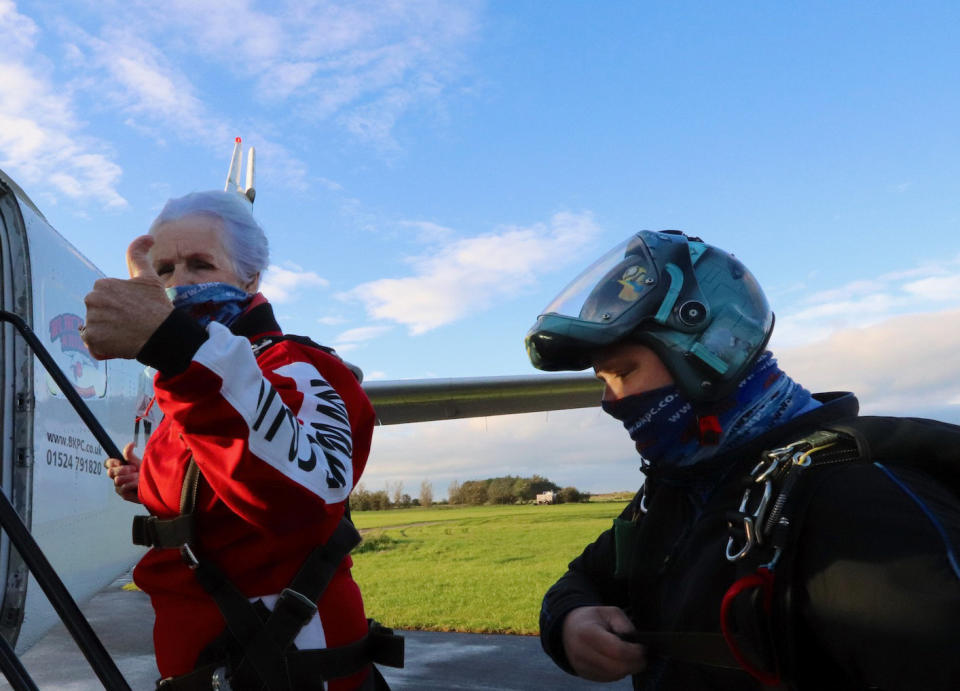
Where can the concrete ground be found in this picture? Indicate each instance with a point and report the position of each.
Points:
(123, 620)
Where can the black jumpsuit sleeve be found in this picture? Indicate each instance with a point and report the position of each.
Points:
(878, 563)
(589, 580)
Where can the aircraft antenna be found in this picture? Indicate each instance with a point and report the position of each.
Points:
(233, 174)
(234, 183)
(250, 192)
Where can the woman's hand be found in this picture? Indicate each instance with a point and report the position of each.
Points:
(594, 647)
(122, 315)
(125, 476)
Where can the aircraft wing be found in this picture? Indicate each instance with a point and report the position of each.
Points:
(422, 400)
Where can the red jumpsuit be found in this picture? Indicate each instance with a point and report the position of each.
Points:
(280, 439)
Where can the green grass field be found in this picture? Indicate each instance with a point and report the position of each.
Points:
(478, 568)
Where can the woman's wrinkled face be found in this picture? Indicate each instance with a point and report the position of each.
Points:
(629, 368)
(191, 250)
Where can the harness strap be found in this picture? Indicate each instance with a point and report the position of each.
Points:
(264, 654)
(295, 607)
(151, 531)
(700, 648)
(169, 533)
(380, 645)
(264, 643)
(267, 644)
(268, 341)
(315, 574)
(758, 609)
(309, 669)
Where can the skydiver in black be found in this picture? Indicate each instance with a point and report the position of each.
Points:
(779, 540)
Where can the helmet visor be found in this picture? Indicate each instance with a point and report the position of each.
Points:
(609, 286)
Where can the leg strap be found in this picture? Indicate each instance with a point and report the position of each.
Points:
(296, 606)
(307, 669)
(265, 644)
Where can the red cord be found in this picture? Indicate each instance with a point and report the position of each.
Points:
(763, 578)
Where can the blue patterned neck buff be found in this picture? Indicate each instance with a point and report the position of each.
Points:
(669, 433)
(207, 302)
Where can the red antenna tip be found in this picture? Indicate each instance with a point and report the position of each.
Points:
(238, 140)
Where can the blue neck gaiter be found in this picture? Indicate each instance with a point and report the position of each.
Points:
(666, 428)
(207, 302)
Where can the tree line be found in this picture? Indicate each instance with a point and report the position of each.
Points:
(393, 497)
(509, 489)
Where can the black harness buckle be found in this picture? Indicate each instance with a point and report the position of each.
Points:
(301, 606)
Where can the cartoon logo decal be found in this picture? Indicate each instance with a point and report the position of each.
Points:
(632, 281)
(89, 376)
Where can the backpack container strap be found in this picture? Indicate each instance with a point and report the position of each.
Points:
(266, 342)
(756, 612)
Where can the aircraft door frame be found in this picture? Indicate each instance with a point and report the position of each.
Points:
(16, 404)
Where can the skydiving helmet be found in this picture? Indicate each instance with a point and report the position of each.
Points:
(695, 305)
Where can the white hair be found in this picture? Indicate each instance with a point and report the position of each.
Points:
(244, 239)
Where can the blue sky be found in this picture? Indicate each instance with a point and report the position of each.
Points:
(431, 174)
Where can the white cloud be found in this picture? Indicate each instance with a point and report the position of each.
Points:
(864, 303)
(286, 78)
(901, 365)
(332, 320)
(41, 142)
(365, 62)
(281, 284)
(469, 274)
(428, 231)
(362, 65)
(329, 184)
(19, 31)
(232, 30)
(136, 75)
(939, 288)
(363, 333)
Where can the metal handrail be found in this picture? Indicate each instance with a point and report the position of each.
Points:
(64, 604)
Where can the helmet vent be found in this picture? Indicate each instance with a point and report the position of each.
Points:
(692, 312)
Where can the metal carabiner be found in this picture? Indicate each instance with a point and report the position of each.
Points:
(774, 460)
(784, 451)
(219, 681)
(761, 474)
(189, 558)
(751, 522)
(747, 544)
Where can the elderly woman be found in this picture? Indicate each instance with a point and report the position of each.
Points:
(247, 476)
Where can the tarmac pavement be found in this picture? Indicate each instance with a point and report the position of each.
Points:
(123, 619)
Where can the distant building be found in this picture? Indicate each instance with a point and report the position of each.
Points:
(548, 497)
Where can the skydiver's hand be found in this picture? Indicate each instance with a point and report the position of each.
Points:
(591, 640)
(125, 476)
(123, 314)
